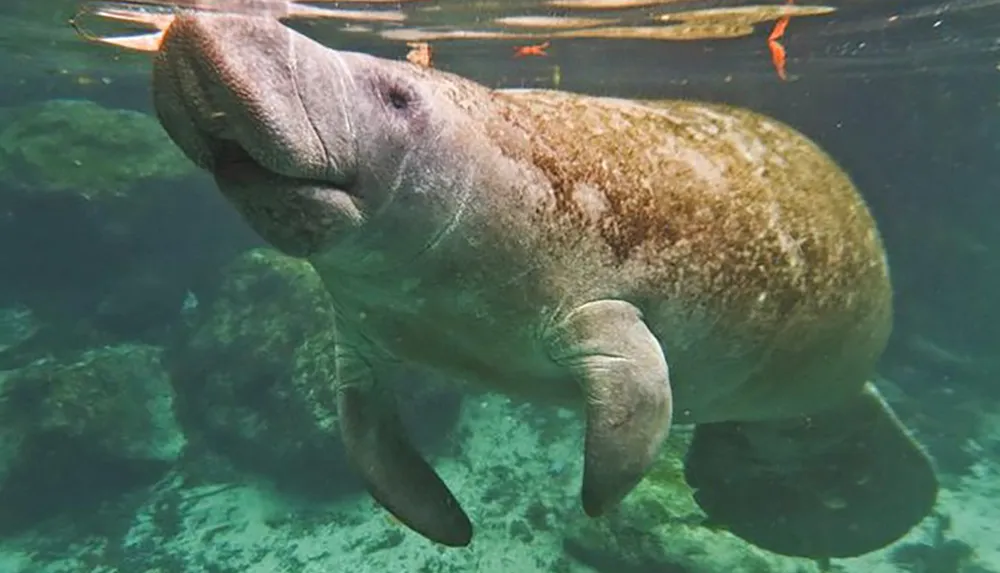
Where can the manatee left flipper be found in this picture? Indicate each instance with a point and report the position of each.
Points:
(841, 483)
(395, 474)
(623, 372)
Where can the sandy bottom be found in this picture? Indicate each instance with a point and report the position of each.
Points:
(505, 468)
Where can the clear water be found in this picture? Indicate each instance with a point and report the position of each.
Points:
(164, 373)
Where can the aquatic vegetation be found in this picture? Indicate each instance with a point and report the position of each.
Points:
(81, 147)
(420, 54)
(536, 50)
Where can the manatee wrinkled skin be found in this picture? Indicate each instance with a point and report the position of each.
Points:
(650, 262)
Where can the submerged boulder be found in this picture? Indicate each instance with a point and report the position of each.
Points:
(659, 527)
(83, 148)
(75, 431)
(256, 376)
(91, 199)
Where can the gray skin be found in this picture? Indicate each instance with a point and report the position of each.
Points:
(565, 249)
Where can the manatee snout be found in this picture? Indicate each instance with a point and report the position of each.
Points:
(266, 113)
(249, 82)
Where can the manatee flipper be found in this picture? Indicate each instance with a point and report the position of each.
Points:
(623, 372)
(840, 483)
(395, 474)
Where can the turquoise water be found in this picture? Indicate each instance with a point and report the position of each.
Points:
(168, 393)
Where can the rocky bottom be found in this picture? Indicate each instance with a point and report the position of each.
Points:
(517, 475)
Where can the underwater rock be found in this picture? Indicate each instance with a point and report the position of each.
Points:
(73, 431)
(256, 376)
(78, 146)
(90, 198)
(119, 398)
(659, 527)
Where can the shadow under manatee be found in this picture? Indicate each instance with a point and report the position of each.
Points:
(611, 561)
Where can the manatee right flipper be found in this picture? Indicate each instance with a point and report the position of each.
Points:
(623, 373)
(840, 483)
(395, 474)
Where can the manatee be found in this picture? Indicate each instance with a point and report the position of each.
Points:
(650, 263)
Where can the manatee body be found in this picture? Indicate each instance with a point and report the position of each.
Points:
(653, 263)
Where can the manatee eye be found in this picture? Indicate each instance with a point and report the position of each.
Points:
(398, 97)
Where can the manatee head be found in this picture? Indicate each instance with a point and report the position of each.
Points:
(321, 151)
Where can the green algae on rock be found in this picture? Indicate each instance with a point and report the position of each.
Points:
(235, 368)
(313, 372)
(267, 299)
(78, 146)
(659, 527)
(79, 430)
(119, 398)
